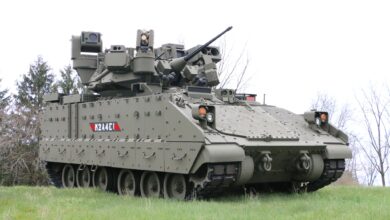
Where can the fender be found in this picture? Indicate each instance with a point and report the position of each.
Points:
(217, 153)
(337, 151)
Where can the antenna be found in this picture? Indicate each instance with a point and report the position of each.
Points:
(264, 99)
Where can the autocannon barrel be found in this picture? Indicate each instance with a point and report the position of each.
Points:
(189, 56)
(179, 63)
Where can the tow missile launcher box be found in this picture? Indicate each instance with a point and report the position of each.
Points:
(151, 123)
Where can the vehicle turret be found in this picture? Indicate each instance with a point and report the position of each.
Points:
(120, 70)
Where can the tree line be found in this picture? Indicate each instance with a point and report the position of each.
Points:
(20, 125)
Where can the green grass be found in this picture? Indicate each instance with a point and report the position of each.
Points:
(330, 203)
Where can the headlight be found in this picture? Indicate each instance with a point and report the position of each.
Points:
(204, 114)
(210, 117)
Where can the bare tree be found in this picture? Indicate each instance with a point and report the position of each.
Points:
(5, 98)
(20, 129)
(376, 118)
(4, 102)
(368, 169)
(233, 71)
(324, 102)
(20, 163)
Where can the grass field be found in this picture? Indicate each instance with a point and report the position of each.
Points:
(330, 203)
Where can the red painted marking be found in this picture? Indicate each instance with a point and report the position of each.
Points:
(116, 127)
(251, 98)
(92, 126)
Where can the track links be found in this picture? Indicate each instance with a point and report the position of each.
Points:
(219, 177)
(333, 169)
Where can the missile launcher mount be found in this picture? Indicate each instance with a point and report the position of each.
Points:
(150, 122)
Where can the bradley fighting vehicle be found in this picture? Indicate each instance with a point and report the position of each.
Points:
(151, 122)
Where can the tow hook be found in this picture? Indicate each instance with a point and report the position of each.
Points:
(266, 162)
(304, 162)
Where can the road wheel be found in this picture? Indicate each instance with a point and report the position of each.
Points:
(127, 183)
(175, 186)
(105, 179)
(68, 176)
(83, 176)
(150, 185)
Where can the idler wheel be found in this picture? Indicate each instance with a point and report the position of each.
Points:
(175, 186)
(127, 183)
(68, 176)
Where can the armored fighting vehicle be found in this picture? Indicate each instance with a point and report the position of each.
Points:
(152, 123)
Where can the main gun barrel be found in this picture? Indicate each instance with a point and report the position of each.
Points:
(189, 56)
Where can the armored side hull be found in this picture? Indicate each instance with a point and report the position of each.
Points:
(155, 145)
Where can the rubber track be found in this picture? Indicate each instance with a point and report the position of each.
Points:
(333, 169)
(219, 178)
